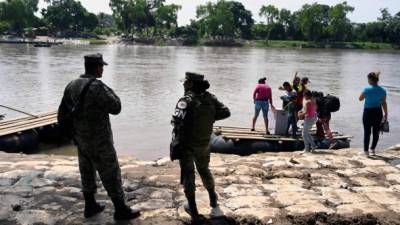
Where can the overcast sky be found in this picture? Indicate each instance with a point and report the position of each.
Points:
(365, 10)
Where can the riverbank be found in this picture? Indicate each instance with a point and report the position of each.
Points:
(262, 44)
(332, 45)
(330, 187)
(104, 40)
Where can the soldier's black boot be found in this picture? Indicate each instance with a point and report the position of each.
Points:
(122, 211)
(191, 209)
(91, 206)
(213, 198)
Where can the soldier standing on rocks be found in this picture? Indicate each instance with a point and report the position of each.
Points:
(193, 121)
(90, 102)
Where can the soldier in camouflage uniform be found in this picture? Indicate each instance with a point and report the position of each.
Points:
(193, 121)
(93, 136)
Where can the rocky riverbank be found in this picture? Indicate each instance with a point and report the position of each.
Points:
(329, 187)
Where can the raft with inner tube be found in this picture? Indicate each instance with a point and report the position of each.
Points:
(25, 134)
(243, 141)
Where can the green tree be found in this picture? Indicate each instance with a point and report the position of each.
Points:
(105, 20)
(242, 18)
(314, 21)
(68, 16)
(166, 16)
(394, 30)
(340, 27)
(18, 14)
(270, 12)
(216, 20)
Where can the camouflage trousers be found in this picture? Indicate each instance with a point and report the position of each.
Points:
(199, 157)
(102, 159)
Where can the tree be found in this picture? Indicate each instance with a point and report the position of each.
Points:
(313, 21)
(340, 27)
(242, 19)
(105, 20)
(270, 12)
(68, 16)
(166, 16)
(216, 20)
(135, 16)
(18, 14)
(394, 29)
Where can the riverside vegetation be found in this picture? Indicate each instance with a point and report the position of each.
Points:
(219, 23)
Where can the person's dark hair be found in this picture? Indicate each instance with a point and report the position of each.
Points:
(286, 84)
(373, 76)
(308, 93)
(304, 80)
(90, 68)
(262, 80)
(200, 86)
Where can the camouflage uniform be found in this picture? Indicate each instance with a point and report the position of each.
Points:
(93, 135)
(193, 121)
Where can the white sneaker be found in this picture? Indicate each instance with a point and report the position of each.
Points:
(373, 152)
(216, 212)
(304, 152)
(366, 154)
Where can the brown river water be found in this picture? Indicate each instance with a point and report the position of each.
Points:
(147, 80)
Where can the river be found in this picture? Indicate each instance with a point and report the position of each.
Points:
(148, 81)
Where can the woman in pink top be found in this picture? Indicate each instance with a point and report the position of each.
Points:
(310, 118)
(262, 95)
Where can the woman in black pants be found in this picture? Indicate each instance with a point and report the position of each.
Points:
(375, 100)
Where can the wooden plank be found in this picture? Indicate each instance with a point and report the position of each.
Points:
(37, 123)
(258, 134)
(258, 138)
(26, 118)
(6, 132)
(24, 122)
(239, 137)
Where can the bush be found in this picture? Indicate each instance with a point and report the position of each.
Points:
(105, 31)
(4, 27)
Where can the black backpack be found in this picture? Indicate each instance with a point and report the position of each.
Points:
(67, 112)
(332, 103)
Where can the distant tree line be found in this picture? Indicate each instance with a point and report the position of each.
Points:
(222, 20)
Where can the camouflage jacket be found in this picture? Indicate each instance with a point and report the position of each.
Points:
(92, 124)
(193, 121)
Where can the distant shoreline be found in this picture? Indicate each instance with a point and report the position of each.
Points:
(207, 42)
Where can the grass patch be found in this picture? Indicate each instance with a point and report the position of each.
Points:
(306, 44)
(94, 41)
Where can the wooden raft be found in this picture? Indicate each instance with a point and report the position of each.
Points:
(240, 133)
(27, 123)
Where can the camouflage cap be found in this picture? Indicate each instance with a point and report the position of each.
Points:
(194, 76)
(95, 58)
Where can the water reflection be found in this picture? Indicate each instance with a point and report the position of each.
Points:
(147, 80)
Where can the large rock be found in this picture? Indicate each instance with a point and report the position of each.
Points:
(33, 217)
(248, 202)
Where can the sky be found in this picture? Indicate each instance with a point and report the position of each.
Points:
(365, 10)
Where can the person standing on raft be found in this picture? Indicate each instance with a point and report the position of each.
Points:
(375, 101)
(309, 114)
(262, 97)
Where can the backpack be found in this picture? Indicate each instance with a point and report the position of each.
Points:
(332, 103)
(67, 113)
